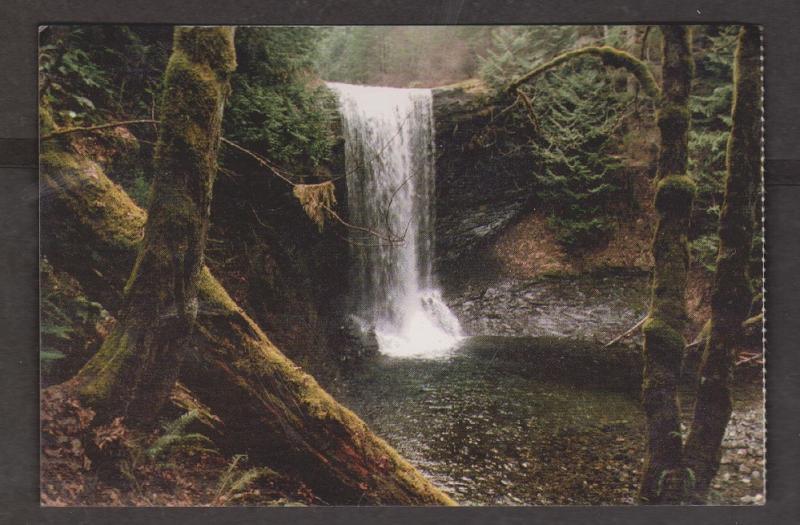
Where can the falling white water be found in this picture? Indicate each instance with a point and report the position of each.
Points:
(389, 158)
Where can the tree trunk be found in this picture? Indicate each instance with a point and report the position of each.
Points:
(731, 293)
(138, 363)
(663, 476)
(271, 410)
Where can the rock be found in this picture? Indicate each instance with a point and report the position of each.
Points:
(478, 191)
(360, 340)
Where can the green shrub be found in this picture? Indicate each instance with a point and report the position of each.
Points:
(93, 73)
(572, 131)
(277, 108)
(176, 439)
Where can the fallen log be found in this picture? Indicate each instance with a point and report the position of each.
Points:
(270, 408)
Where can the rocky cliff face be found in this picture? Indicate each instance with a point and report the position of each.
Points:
(480, 186)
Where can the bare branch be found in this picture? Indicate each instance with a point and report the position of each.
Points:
(276, 170)
(389, 239)
(628, 332)
(529, 107)
(273, 168)
(79, 129)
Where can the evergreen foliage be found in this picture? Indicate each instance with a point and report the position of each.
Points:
(277, 108)
(88, 74)
(710, 105)
(578, 180)
(575, 111)
(68, 324)
(97, 74)
(516, 50)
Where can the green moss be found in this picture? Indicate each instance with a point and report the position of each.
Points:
(58, 160)
(189, 109)
(661, 335)
(213, 292)
(673, 117)
(212, 46)
(664, 343)
(133, 372)
(46, 123)
(99, 202)
(675, 194)
(731, 295)
(99, 377)
(610, 56)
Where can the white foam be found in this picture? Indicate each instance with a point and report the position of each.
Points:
(389, 157)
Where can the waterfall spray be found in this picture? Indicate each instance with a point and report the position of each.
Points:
(389, 158)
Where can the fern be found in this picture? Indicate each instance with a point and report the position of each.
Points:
(50, 355)
(179, 425)
(56, 330)
(234, 481)
(175, 439)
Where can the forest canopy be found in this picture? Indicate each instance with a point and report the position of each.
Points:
(279, 104)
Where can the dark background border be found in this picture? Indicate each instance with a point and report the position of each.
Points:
(19, 240)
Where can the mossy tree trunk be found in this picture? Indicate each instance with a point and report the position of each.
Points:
(270, 409)
(671, 471)
(731, 292)
(138, 363)
(663, 477)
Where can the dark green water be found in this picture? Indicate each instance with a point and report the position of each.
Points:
(494, 429)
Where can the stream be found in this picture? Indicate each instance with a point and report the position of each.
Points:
(498, 390)
(493, 429)
(488, 433)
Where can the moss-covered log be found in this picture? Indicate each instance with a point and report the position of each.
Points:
(137, 365)
(270, 408)
(663, 476)
(731, 292)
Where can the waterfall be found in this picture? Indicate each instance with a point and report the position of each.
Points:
(389, 159)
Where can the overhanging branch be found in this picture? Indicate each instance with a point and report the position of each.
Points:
(389, 237)
(79, 129)
(610, 56)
